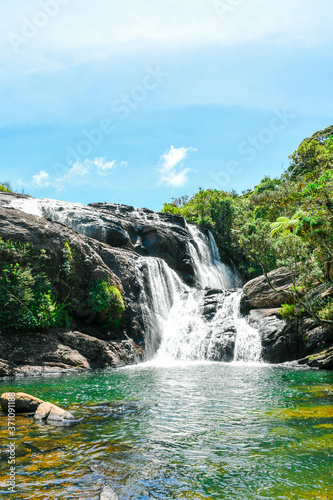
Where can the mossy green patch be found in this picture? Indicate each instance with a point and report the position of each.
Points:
(306, 412)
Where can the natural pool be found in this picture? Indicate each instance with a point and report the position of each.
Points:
(187, 431)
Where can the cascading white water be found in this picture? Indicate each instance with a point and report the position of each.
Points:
(210, 271)
(232, 277)
(65, 213)
(185, 334)
(161, 288)
(28, 205)
(176, 327)
(248, 344)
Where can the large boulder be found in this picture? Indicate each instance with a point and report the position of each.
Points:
(60, 349)
(320, 293)
(52, 413)
(259, 295)
(316, 337)
(281, 340)
(24, 403)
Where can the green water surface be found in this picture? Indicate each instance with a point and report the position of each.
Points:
(193, 431)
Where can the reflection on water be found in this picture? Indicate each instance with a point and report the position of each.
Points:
(189, 431)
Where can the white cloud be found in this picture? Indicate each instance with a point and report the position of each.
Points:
(169, 162)
(104, 167)
(118, 26)
(96, 30)
(121, 39)
(82, 172)
(173, 157)
(41, 180)
(79, 169)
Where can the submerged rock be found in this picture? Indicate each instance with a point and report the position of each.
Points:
(107, 493)
(24, 403)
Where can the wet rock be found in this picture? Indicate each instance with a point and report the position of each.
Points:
(281, 340)
(62, 350)
(52, 413)
(322, 360)
(6, 369)
(24, 403)
(259, 295)
(107, 493)
(221, 333)
(316, 337)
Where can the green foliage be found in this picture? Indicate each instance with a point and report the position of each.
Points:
(266, 184)
(27, 301)
(284, 225)
(326, 313)
(287, 310)
(5, 186)
(68, 259)
(251, 235)
(284, 221)
(107, 301)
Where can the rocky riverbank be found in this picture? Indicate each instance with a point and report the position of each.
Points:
(300, 338)
(59, 351)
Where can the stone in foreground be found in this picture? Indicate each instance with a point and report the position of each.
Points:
(108, 493)
(24, 403)
(52, 413)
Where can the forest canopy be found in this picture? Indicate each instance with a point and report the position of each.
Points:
(284, 221)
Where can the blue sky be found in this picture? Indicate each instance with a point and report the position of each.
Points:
(138, 102)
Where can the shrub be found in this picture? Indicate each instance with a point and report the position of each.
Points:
(327, 311)
(5, 186)
(107, 302)
(287, 310)
(27, 301)
(68, 259)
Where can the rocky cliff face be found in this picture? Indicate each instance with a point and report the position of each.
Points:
(93, 347)
(287, 340)
(141, 231)
(108, 242)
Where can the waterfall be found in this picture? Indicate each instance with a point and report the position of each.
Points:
(210, 271)
(177, 324)
(232, 276)
(161, 288)
(89, 223)
(248, 344)
(188, 336)
(30, 206)
(181, 323)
